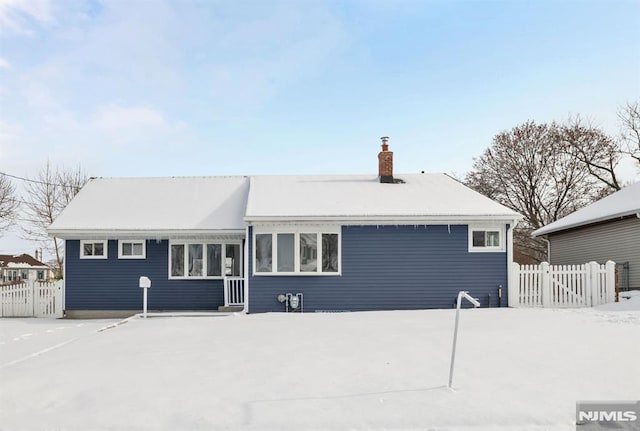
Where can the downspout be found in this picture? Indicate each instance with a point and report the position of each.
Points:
(64, 279)
(512, 226)
(548, 248)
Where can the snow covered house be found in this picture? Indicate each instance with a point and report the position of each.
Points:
(608, 229)
(23, 267)
(269, 243)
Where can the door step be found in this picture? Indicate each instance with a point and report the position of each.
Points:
(230, 309)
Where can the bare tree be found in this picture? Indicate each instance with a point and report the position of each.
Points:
(529, 170)
(46, 196)
(594, 148)
(629, 116)
(8, 203)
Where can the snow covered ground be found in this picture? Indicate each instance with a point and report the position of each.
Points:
(518, 369)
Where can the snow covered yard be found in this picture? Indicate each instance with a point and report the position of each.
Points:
(22, 339)
(515, 369)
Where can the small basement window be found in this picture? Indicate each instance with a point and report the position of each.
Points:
(486, 239)
(93, 249)
(132, 249)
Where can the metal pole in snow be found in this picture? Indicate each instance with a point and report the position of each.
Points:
(144, 303)
(455, 340)
(469, 298)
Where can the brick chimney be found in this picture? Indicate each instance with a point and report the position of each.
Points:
(385, 162)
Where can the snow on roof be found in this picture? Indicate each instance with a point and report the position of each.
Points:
(619, 204)
(364, 197)
(178, 204)
(19, 261)
(156, 204)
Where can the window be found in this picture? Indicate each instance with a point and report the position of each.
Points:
(132, 249)
(93, 249)
(329, 252)
(195, 260)
(214, 260)
(177, 260)
(232, 260)
(486, 239)
(264, 252)
(40, 275)
(308, 252)
(204, 260)
(297, 251)
(286, 252)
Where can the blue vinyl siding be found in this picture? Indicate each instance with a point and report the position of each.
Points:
(112, 284)
(392, 268)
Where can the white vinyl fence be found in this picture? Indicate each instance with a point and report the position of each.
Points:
(31, 299)
(558, 286)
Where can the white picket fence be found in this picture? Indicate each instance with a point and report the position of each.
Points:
(559, 286)
(32, 299)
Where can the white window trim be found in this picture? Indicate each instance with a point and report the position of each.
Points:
(204, 259)
(476, 228)
(296, 231)
(132, 241)
(105, 244)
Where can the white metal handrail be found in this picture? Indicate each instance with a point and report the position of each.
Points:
(233, 291)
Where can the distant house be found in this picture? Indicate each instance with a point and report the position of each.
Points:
(276, 243)
(15, 268)
(608, 229)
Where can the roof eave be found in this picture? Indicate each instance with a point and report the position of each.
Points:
(544, 231)
(144, 233)
(25, 266)
(436, 219)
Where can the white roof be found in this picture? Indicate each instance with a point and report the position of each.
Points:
(363, 197)
(619, 204)
(167, 204)
(119, 207)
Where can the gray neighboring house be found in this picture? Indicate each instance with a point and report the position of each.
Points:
(608, 229)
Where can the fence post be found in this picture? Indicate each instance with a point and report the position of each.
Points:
(63, 297)
(545, 289)
(59, 301)
(31, 294)
(591, 282)
(611, 281)
(514, 287)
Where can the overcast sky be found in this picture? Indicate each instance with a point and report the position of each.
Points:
(154, 88)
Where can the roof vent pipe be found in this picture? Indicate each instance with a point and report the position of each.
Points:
(385, 162)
